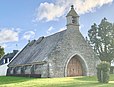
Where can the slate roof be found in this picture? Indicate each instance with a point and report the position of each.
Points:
(37, 50)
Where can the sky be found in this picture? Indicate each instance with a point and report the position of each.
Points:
(23, 20)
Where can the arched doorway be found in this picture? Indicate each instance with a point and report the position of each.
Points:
(74, 67)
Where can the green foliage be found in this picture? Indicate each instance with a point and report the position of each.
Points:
(1, 51)
(103, 72)
(101, 38)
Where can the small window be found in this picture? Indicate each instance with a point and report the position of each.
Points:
(73, 20)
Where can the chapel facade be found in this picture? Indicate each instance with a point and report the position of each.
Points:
(62, 54)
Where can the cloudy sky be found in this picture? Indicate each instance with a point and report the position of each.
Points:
(23, 20)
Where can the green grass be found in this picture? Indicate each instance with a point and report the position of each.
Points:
(83, 81)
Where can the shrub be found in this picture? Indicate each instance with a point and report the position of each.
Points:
(103, 72)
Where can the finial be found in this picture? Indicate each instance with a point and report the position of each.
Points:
(72, 7)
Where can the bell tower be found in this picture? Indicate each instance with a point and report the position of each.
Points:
(72, 19)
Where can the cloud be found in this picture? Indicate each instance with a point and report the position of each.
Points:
(8, 35)
(3, 45)
(52, 11)
(61, 29)
(29, 35)
(49, 11)
(90, 5)
(50, 30)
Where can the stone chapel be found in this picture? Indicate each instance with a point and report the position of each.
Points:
(62, 54)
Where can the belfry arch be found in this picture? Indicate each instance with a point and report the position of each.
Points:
(76, 66)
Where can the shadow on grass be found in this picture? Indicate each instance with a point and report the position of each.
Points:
(85, 78)
(80, 84)
(90, 81)
(13, 79)
(88, 85)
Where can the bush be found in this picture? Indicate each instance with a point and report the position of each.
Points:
(103, 72)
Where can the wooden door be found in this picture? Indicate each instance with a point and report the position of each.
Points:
(74, 68)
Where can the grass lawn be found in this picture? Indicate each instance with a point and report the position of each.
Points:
(84, 81)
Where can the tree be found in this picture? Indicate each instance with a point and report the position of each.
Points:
(101, 38)
(1, 51)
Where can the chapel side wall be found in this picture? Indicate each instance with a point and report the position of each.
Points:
(42, 70)
(33, 70)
